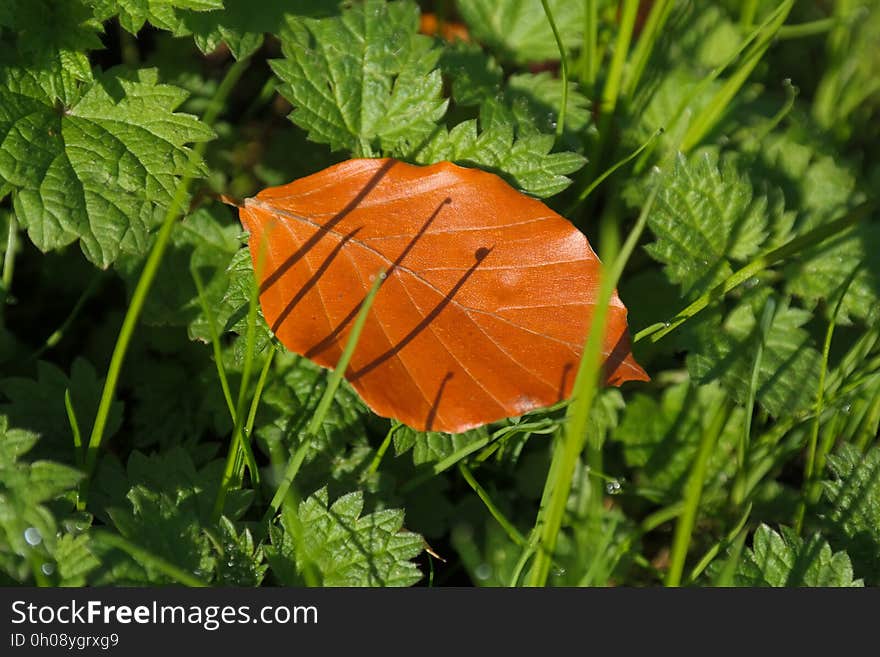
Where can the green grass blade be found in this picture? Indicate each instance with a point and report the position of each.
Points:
(147, 558)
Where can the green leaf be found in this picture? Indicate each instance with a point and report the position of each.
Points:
(239, 562)
(38, 405)
(706, 218)
(788, 560)
(75, 560)
(164, 14)
(170, 503)
(102, 170)
(241, 27)
(518, 30)
(523, 157)
(46, 41)
(349, 549)
(433, 446)
(27, 526)
(364, 81)
(660, 440)
(536, 98)
(789, 373)
(851, 509)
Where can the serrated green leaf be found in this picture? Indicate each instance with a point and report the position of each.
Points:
(851, 509)
(433, 446)
(47, 41)
(518, 30)
(706, 218)
(789, 560)
(75, 559)
(364, 81)
(164, 14)
(102, 170)
(349, 549)
(523, 157)
(789, 373)
(239, 561)
(241, 27)
(660, 439)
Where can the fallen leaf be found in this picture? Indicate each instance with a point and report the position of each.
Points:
(487, 301)
(450, 31)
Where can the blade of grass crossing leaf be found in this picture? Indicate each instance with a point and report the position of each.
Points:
(567, 450)
(693, 492)
(511, 531)
(563, 65)
(811, 471)
(145, 282)
(761, 262)
(320, 413)
(869, 428)
(147, 558)
(764, 325)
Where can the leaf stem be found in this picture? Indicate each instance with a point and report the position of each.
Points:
(148, 274)
(512, 532)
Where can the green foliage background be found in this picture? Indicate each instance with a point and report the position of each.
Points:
(750, 459)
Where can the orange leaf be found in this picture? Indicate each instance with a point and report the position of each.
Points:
(450, 31)
(487, 301)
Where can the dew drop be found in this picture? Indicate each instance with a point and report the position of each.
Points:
(32, 536)
(613, 487)
(483, 571)
(48, 568)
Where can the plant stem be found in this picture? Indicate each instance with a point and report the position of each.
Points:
(614, 81)
(147, 276)
(589, 63)
(508, 527)
(377, 459)
(563, 63)
(9, 255)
